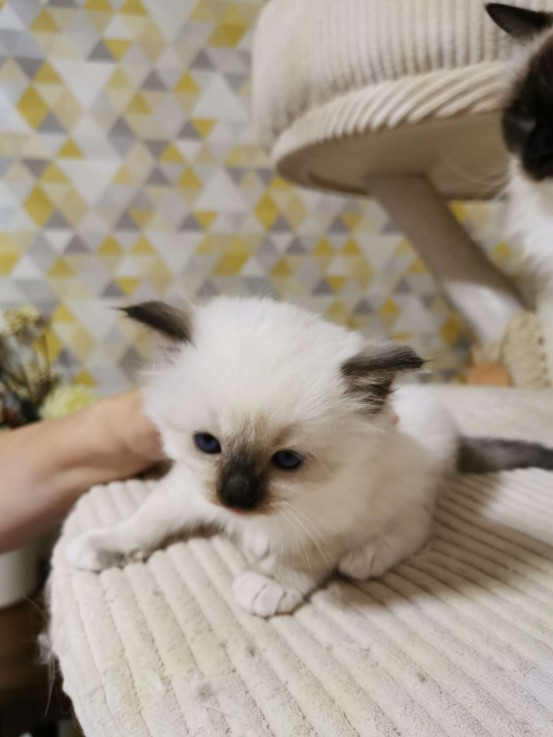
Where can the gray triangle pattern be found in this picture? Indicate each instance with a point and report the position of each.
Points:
(113, 290)
(189, 132)
(153, 81)
(30, 66)
(323, 288)
(57, 220)
(202, 62)
(51, 124)
(101, 53)
(77, 246)
(128, 220)
(36, 166)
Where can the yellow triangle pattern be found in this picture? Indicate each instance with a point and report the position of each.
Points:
(60, 269)
(187, 86)
(451, 330)
(117, 190)
(9, 255)
(99, 6)
(117, 46)
(233, 260)
(133, 7)
(32, 107)
(70, 150)
(47, 75)
(172, 155)
(45, 23)
(39, 206)
(266, 210)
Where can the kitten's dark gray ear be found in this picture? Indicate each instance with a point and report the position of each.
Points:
(164, 319)
(519, 23)
(369, 374)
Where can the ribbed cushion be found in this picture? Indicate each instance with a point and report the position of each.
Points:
(329, 69)
(457, 642)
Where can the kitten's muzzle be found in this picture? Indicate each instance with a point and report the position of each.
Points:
(240, 491)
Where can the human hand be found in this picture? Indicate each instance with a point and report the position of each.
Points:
(46, 466)
(125, 434)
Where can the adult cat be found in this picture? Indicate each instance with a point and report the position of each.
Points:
(527, 122)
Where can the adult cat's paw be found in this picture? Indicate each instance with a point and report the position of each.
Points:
(92, 552)
(264, 596)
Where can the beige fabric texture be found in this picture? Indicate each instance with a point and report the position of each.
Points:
(523, 352)
(456, 642)
(520, 351)
(330, 69)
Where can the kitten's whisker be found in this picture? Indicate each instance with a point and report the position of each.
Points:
(281, 557)
(304, 551)
(304, 514)
(281, 539)
(318, 458)
(300, 511)
(309, 534)
(293, 523)
(316, 533)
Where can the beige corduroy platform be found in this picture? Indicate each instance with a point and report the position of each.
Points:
(456, 642)
(344, 91)
(400, 100)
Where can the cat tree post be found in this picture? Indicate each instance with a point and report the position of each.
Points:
(401, 100)
(477, 290)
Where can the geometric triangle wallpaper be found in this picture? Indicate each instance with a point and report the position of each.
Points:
(130, 171)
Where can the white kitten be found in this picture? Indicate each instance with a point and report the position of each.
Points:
(284, 436)
(281, 435)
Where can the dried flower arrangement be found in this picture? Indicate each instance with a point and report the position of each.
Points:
(29, 389)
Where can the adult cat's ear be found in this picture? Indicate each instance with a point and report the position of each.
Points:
(369, 374)
(519, 23)
(170, 322)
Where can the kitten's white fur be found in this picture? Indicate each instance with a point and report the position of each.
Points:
(362, 502)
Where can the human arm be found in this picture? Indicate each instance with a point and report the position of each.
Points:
(46, 466)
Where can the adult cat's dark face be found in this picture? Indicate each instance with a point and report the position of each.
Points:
(527, 118)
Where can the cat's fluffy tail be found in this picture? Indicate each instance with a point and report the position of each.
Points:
(485, 455)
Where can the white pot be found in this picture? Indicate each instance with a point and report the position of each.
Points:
(19, 574)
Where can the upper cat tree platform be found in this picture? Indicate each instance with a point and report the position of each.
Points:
(346, 91)
(399, 99)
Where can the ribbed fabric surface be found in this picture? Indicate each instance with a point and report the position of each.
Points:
(457, 642)
(324, 69)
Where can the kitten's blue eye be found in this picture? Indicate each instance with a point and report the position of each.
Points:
(288, 460)
(207, 443)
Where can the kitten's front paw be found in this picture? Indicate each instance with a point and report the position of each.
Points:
(264, 596)
(257, 543)
(91, 552)
(368, 561)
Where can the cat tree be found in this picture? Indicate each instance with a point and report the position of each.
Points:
(399, 100)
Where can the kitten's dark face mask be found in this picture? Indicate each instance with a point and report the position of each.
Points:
(527, 120)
